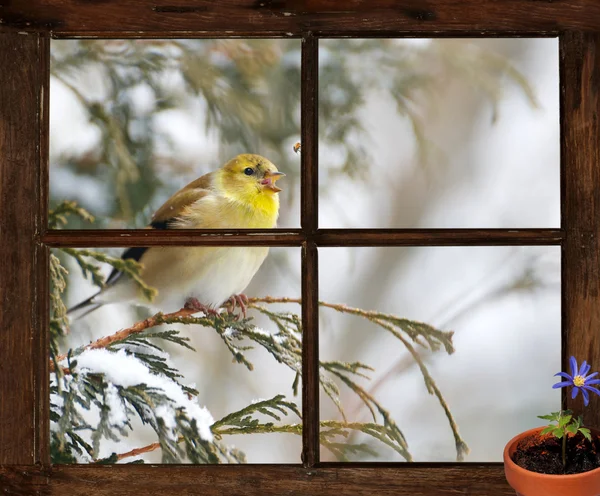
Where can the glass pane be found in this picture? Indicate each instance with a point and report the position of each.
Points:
(197, 389)
(443, 133)
(491, 315)
(133, 121)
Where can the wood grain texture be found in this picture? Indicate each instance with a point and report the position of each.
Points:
(580, 88)
(259, 480)
(294, 17)
(162, 237)
(19, 225)
(41, 341)
(437, 237)
(310, 271)
(310, 355)
(296, 237)
(310, 135)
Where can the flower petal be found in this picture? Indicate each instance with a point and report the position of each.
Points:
(562, 384)
(586, 369)
(573, 363)
(565, 375)
(595, 390)
(586, 397)
(591, 375)
(582, 368)
(574, 393)
(593, 381)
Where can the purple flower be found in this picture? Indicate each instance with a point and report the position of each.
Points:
(579, 380)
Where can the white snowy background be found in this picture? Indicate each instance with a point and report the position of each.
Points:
(502, 302)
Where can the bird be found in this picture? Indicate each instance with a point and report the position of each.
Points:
(242, 194)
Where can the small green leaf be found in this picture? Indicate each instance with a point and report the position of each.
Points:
(548, 417)
(564, 420)
(558, 432)
(586, 433)
(548, 430)
(572, 428)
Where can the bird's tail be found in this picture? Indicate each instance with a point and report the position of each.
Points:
(82, 309)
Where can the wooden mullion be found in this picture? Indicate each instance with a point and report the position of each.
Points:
(41, 266)
(580, 92)
(309, 217)
(183, 237)
(310, 272)
(296, 237)
(438, 237)
(310, 356)
(21, 78)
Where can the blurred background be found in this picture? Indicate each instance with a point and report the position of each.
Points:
(412, 133)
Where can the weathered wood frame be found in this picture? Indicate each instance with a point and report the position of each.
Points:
(26, 27)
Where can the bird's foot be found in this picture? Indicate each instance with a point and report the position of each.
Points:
(240, 301)
(194, 304)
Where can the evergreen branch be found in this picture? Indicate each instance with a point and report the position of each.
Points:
(412, 328)
(128, 266)
(268, 428)
(138, 451)
(329, 429)
(242, 419)
(286, 347)
(259, 429)
(461, 447)
(182, 316)
(58, 216)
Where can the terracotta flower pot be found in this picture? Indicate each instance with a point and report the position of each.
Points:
(527, 483)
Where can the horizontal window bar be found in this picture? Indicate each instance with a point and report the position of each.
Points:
(295, 237)
(403, 479)
(437, 237)
(172, 237)
(244, 17)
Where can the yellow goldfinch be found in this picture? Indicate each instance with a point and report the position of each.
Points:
(242, 194)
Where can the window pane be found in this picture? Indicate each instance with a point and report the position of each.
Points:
(503, 305)
(133, 121)
(178, 384)
(443, 133)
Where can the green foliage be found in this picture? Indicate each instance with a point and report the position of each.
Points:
(58, 217)
(565, 424)
(129, 267)
(76, 391)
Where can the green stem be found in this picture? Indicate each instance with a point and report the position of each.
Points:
(564, 449)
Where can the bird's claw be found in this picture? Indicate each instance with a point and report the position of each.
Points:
(240, 301)
(194, 304)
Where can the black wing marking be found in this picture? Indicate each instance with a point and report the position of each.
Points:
(162, 224)
(133, 253)
(136, 252)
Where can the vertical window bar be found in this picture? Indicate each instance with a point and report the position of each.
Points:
(20, 56)
(580, 155)
(41, 265)
(310, 277)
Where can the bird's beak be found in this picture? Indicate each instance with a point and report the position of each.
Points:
(269, 180)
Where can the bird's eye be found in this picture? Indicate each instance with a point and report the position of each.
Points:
(248, 171)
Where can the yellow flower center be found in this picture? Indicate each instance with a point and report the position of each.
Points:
(578, 381)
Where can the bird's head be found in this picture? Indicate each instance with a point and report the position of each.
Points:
(248, 177)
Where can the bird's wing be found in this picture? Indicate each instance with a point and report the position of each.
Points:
(180, 201)
(166, 214)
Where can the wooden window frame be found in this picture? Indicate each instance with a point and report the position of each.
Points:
(26, 27)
